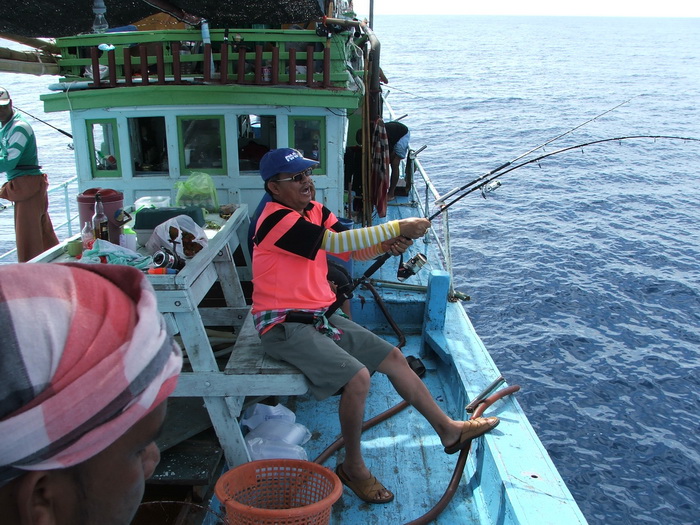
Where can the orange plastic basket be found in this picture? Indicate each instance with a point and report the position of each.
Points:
(278, 491)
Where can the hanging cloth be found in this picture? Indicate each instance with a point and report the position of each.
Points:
(380, 167)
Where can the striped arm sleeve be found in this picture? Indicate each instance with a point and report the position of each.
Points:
(353, 240)
(365, 254)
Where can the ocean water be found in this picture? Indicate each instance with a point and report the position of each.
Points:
(583, 269)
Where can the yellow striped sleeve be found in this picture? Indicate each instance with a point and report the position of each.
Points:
(353, 240)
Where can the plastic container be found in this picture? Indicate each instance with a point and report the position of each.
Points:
(278, 491)
(113, 202)
(152, 201)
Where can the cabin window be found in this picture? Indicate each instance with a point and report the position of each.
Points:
(308, 135)
(104, 145)
(257, 134)
(203, 145)
(149, 149)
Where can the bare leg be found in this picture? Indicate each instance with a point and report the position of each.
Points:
(351, 412)
(412, 389)
(393, 181)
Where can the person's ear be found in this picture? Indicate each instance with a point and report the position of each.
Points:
(36, 493)
(274, 188)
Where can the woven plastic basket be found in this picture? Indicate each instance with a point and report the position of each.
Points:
(278, 491)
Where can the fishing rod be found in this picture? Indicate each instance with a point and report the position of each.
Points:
(419, 260)
(44, 122)
(516, 159)
(493, 179)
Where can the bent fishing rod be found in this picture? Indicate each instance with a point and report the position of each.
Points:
(484, 183)
(344, 295)
(419, 260)
(516, 159)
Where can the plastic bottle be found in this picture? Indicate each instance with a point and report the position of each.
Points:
(100, 224)
(87, 235)
(128, 239)
(99, 25)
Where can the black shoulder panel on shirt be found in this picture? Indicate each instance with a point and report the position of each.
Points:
(269, 223)
(303, 239)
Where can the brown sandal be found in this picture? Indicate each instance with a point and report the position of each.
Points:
(368, 490)
(470, 429)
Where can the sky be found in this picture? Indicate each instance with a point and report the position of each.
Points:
(653, 8)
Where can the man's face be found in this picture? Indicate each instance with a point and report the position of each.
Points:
(5, 113)
(107, 489)
(293, 189)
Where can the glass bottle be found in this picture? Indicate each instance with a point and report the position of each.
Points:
(100, 224)
(87, 235)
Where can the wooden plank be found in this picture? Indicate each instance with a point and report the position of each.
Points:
(216, 384)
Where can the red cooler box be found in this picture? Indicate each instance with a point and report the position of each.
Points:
(113, 202)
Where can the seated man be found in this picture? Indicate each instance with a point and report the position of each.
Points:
(86, 366)
(291, 295)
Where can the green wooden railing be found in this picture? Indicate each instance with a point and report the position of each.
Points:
(246, 56)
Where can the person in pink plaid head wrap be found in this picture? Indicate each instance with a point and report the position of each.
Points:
(86, 366)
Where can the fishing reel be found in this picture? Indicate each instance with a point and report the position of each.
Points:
(411, 267)
(164, 258)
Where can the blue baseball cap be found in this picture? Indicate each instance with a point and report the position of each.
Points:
(283, 160)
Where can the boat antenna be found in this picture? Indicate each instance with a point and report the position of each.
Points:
(516, 159)
(44, 122)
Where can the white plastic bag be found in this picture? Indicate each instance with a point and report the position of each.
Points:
(259, 413)
(189, 237)
(278, 430)
(265, 449)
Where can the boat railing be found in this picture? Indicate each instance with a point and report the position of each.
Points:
(252, 57)
(64, 228)
(426, 194)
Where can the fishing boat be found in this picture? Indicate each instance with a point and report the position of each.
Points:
(169, 91)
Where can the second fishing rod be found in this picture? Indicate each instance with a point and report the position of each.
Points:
(418, 261)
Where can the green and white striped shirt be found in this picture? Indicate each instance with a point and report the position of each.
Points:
(18, 155)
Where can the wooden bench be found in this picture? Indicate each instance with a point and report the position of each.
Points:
(256, 374)
(248, 373)
(262, 375)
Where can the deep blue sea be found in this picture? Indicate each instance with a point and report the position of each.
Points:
(583, 269)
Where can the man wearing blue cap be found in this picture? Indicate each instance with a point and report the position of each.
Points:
(26, 184)
(291, 295)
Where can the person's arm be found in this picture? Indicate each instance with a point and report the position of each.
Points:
(16, 142)
(373, 240)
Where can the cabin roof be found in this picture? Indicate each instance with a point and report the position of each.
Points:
(56, 18)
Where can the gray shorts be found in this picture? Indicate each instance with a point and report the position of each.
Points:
(327, 364)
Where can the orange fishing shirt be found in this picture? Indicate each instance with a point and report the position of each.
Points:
(289, 266)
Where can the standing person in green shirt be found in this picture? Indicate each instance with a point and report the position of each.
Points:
(26, 184)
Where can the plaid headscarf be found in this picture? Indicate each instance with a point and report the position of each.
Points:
(84, 355)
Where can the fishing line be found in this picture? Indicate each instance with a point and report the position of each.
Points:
(394, 88)
(44, 122)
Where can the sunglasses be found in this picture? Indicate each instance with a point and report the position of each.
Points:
(297, 177)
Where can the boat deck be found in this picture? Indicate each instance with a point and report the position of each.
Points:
(403, 452)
